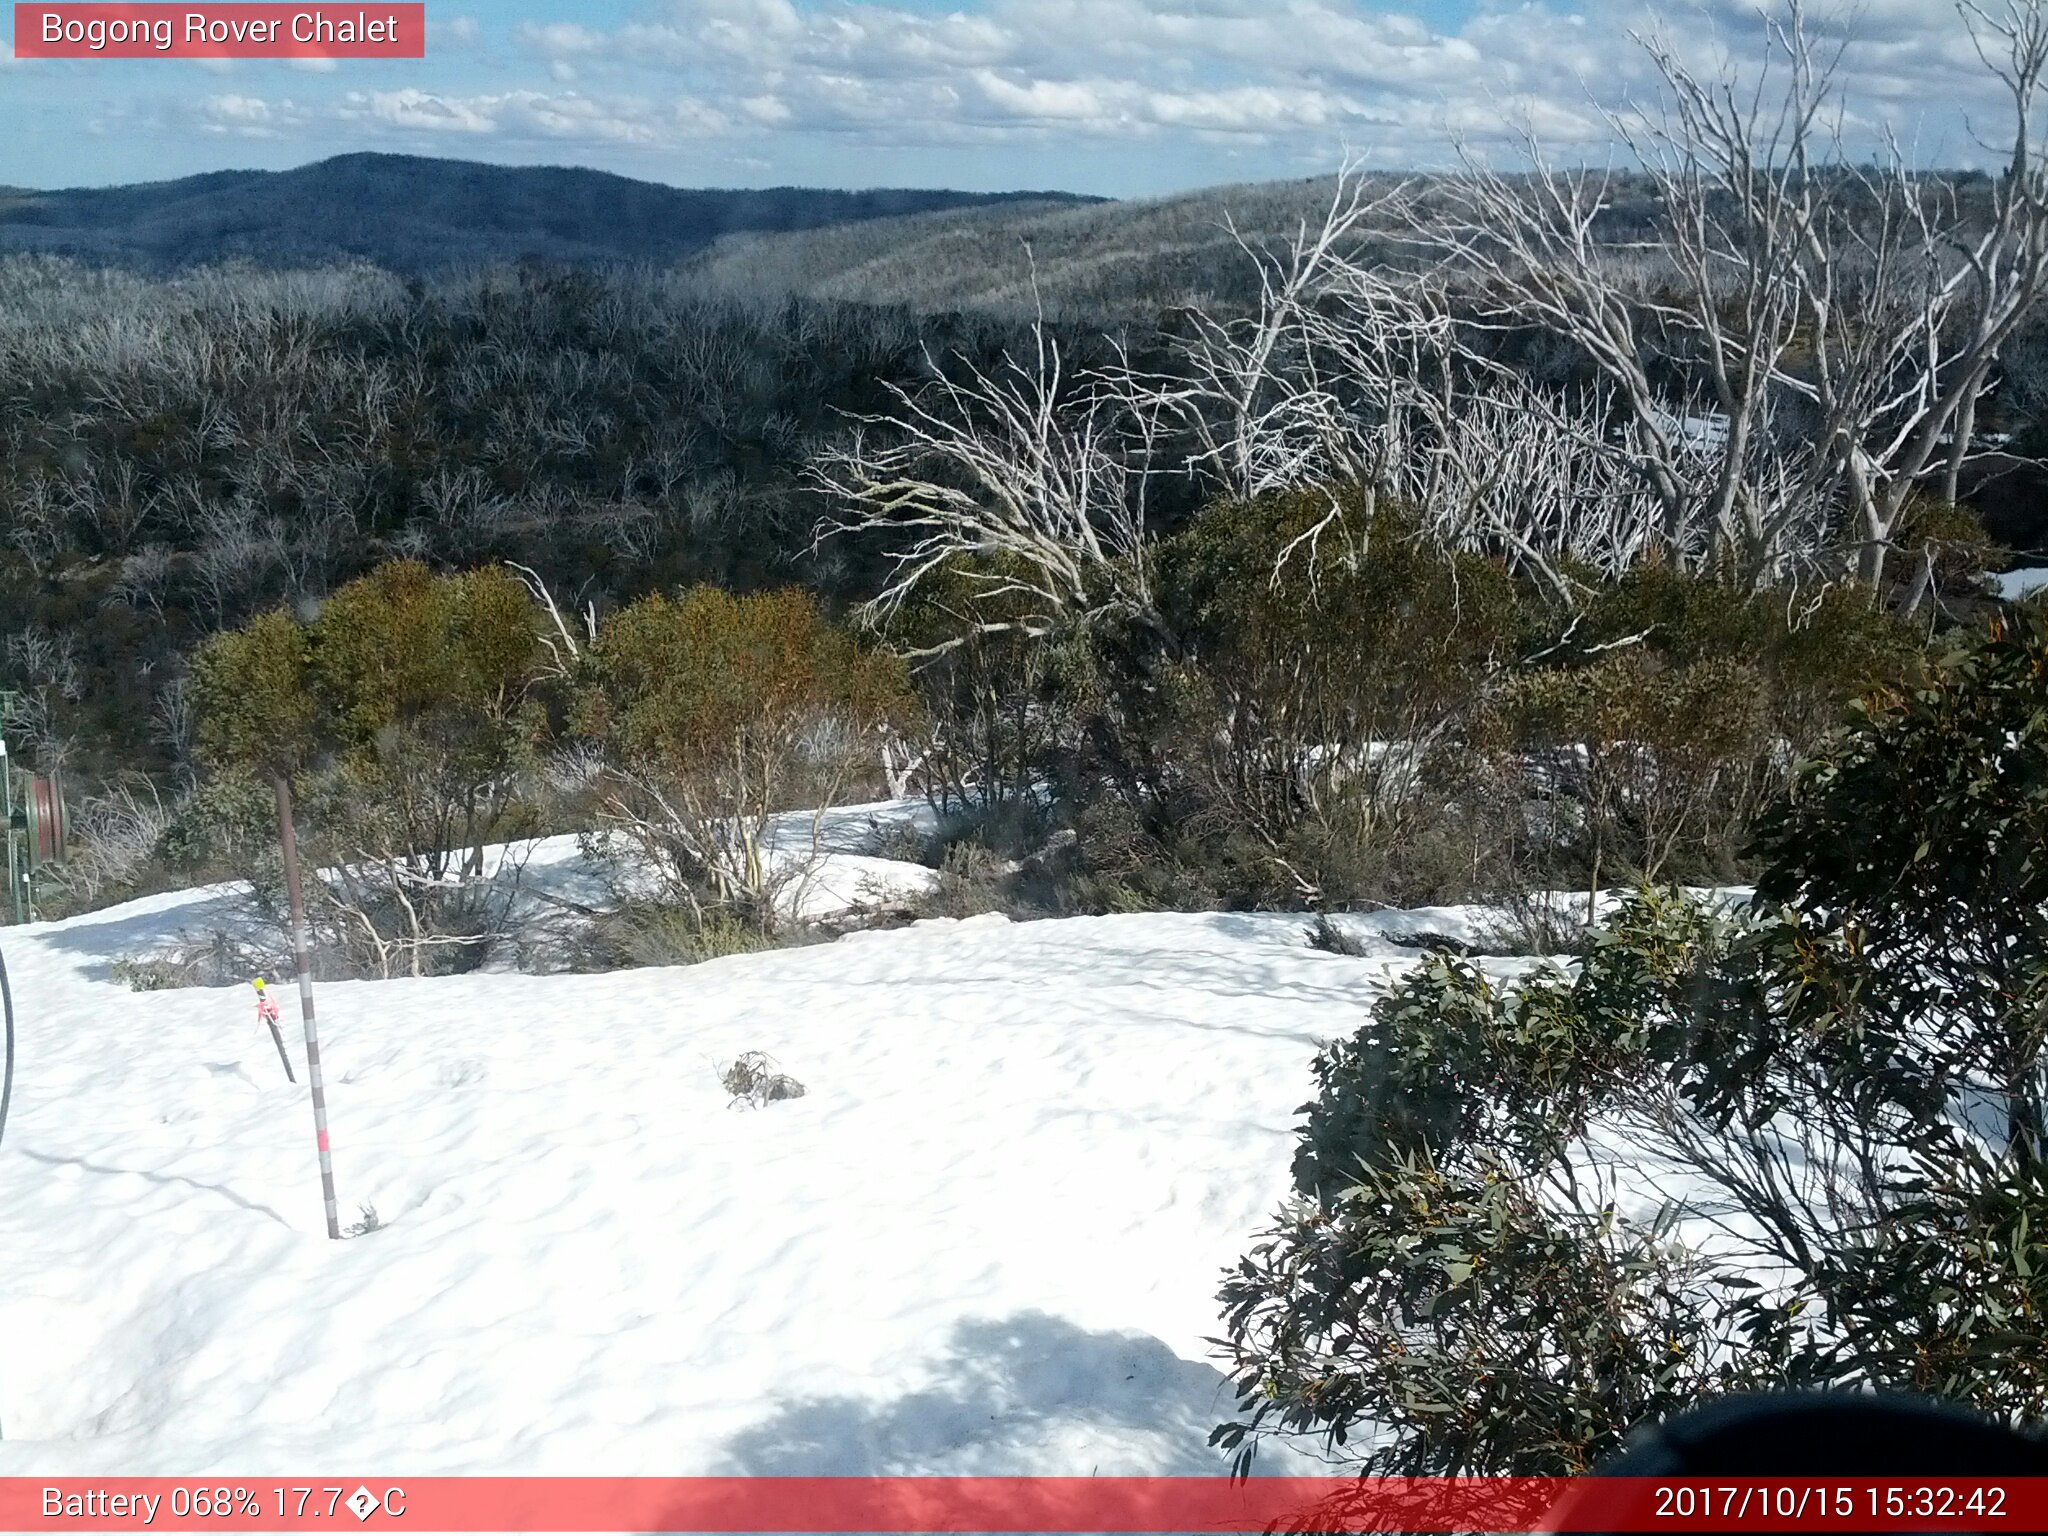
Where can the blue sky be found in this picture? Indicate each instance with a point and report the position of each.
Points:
(1118, 97)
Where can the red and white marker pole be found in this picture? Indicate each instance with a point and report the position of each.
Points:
(303, 959)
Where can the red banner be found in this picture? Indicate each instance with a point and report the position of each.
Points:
(1018, 1504)
(239, 31)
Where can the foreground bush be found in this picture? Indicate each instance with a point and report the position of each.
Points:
(404, 715)
(718, 712)
(1798, 1145)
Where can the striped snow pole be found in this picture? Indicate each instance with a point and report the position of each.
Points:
(303, 959)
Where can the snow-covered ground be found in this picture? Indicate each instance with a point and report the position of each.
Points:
(823, 858)
(988, 1239)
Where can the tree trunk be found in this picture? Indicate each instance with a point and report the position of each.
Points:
(1963, 429)
(1923, 583)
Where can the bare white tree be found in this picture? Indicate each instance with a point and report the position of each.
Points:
(392, 912)
(1022, 482)
(144, 577)
(1838, 320)
(113, 835)
(1263, 409)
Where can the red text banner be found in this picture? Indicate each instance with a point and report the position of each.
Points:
(1019, 1504)
(222, 31)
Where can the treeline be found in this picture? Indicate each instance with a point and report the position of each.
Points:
(1407, 726)
(178, 455)
(1131, 677)
(1096, 263)
(1539, 559)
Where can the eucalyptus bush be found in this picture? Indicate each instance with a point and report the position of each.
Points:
(718, 713)
(404, 715)
(1798, 1143)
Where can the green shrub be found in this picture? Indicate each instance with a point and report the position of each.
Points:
(1844, 1085)
(431, 687)
(1651, 769)
(1913, 859)
(647, 933)
(1811, 655)
(405, 716)
(252, 694)
(1329, 710)
(226, 824)
(216, 960)
(1945, 544)
(1439, 1278)
(972, 880)
(998, 709)
(1291, 729)
(716, 713)
(152, 973)
(1649, 730)
(1327, 936)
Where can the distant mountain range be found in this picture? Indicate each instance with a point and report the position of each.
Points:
(1078, 259)
(417, 215)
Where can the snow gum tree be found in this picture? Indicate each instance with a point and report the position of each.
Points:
(432, 681)
(255, 709)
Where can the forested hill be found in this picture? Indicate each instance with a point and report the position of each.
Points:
(414, 215)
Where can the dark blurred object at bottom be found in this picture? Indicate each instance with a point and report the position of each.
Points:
(1808, 1435)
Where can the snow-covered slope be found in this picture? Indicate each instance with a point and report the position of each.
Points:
(988, 1239)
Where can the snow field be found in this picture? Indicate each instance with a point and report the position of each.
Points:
(987, 1240)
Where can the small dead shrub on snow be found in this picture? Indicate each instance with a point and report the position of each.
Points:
(1329, 936)
(154, 973)
(754, 1080)
(216, 960)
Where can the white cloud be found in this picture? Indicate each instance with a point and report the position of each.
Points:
(696, 120)
(421, 111)
(1279, 83)
(244, 109)
(561, 38)
(1249, 109)
(569, 115)
(238, 115)
(1282, 72)
(452, 33)
(1038, 101)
